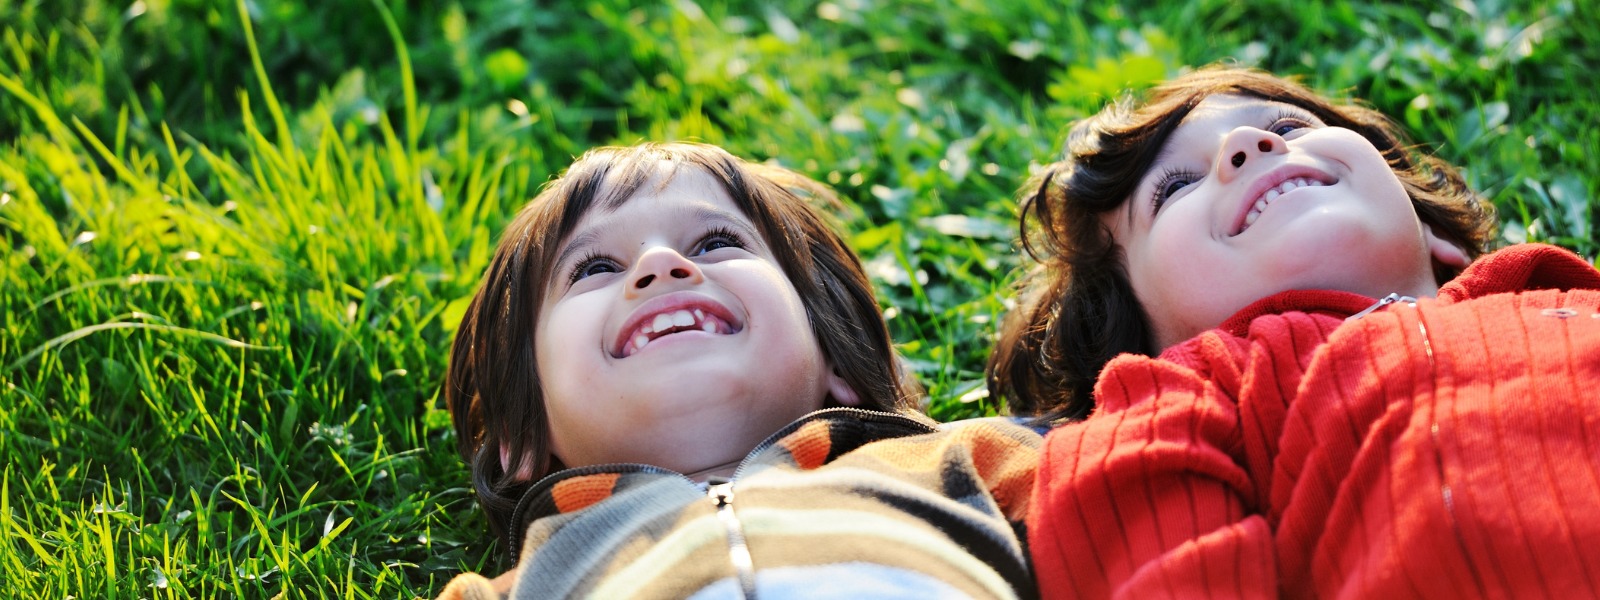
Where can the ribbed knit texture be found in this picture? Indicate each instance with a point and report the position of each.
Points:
(1449, 448)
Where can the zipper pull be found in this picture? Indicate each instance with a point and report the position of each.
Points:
(721, 494)
(1385, 301)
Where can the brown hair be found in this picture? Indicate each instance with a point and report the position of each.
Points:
(1076, 308)
(492, 387)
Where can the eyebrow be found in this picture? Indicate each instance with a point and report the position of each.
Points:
(578, 242)
(701, 214)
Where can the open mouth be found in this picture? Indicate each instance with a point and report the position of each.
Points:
(1266, 197)
(649, 327)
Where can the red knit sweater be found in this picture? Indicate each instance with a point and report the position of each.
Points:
(1446, 448)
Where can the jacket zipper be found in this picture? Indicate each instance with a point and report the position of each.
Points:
(721, 495)
(518, 527)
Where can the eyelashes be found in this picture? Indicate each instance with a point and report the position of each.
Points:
(1297, 119)
(589, 265)
(1169, 182)
(723, 235)
(596, 263)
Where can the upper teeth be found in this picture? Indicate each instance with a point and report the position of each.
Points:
(676, 319)
(1272, 194)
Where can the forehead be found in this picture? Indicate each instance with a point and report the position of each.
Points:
(659, 185)
(609, 188)
(639, 202)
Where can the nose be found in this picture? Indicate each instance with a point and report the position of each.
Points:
(660, 265)
(1244, 145)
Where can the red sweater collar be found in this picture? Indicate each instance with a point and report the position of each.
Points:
(1512, 269)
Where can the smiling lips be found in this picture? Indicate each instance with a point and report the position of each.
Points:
(1294, 181)
(667, 322)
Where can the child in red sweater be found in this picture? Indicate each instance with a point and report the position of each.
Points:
(1251, 310)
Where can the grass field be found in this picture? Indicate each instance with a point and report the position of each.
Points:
(237, 236)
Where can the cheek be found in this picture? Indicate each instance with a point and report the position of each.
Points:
(1177, 253)
(1372, 174)
(1183, 278)
(764, 287)
(565, 334)
(1172, 274)
(769, 291)
(1387, 187)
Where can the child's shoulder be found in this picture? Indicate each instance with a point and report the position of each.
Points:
(985, 440)
(1520, 268)
(1014, 429)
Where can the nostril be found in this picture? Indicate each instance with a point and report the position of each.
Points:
(1237, 160)
(1265, 145)
(644, 282)
(680, 273)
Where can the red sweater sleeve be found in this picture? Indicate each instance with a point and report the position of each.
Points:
(1149, 499)
(1162, 492)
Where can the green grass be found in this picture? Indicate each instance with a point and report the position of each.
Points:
(237, 237)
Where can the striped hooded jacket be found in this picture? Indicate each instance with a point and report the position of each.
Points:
(842, 503)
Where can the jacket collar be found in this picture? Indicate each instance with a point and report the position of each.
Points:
(806, 443)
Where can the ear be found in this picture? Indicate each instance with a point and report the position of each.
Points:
(1445, 251)
(841, 391)
(523, 474)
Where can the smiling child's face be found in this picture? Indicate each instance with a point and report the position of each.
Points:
(669, 334)
(1250, 197)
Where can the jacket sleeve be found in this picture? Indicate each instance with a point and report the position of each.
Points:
(472, 586)
(1149, 496)
(1005, 458)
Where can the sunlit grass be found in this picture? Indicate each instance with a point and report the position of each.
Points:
(237, 236)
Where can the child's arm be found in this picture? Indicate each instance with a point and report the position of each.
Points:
(1150, 497)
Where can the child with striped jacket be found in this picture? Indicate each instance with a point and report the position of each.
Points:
(676, 382)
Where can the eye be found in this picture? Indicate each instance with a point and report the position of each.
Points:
(1289, 121)
(593, 265)
(718, 239)
(1169, 183)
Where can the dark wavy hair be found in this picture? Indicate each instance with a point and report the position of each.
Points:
(492, 387)
(1076, 309)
